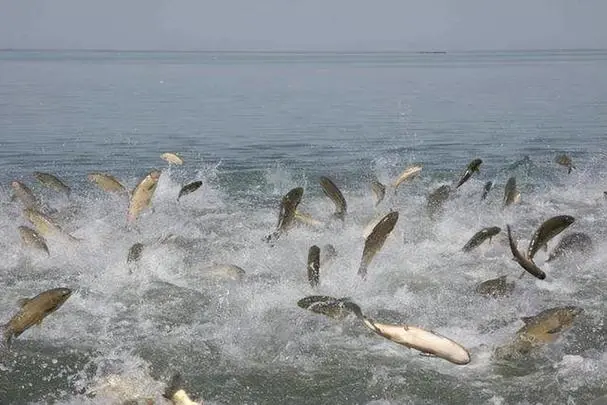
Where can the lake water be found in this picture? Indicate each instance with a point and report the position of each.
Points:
(251, 126)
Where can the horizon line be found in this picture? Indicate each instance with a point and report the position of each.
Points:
(295, 50)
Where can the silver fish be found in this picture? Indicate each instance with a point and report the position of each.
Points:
(437, 198)
(286, 216)
(511, 194)
(413, 337)
(30, 237)
(142, 195)
(524, 262)
(539, 330)
(375, 241)
(331, 191)
(325, 305)
(486, 189)
(379, 190)
(473, 166)
(53, 182)
(32, 312)
(497, 287)
(313, 265)
(25, 195)
(408, 174)
(189, 188)
(480, 237)
(546, 231)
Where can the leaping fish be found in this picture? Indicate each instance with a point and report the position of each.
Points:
(172, 158)
(333, 192)
(107, 183)
(473, 166)
(523, 261)
(379, 190)
(413, 337)
(565, 160)
(142, 195)
(286, 216)
(53, 182)
(546, 231)
(408, 174)
(30, 237)
(375, 241)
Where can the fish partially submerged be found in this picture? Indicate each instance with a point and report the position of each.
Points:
(497, 287)
(538, 330)
(379, 190)
(473, 167)
(480, 237)
(189, 188)
(222, 272)
(30, 237)
(511, 194)
(437, 198)
(107, 183)
(171, 158)
(413, 337)
(52, 181)
(573, 242)
(565, 160)
(486, 188)
(546, 231)
(408, 174)
(314, 265)
(286, 216)
(45, 225)
(135, 253)
(523, 261)
(307, 219)
(325, 305)
(175, 392)
(327, 255)
(376, 240)
(331, 191)
(25, 195)
(32, 312)
(142, 195)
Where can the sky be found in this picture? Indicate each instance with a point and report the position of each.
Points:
(303, 24)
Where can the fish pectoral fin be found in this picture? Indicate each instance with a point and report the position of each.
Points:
(426, 354)
(21, 302)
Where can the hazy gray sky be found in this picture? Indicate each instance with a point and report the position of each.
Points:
(303, 24)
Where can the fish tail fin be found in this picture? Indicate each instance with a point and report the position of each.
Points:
(7, 337)
(362, 271)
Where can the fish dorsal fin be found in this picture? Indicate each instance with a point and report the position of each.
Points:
(21, 302)
(527, 319)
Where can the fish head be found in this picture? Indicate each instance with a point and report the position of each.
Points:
(58, 296)
(155, 174)
(474, 165)
(568, 314)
